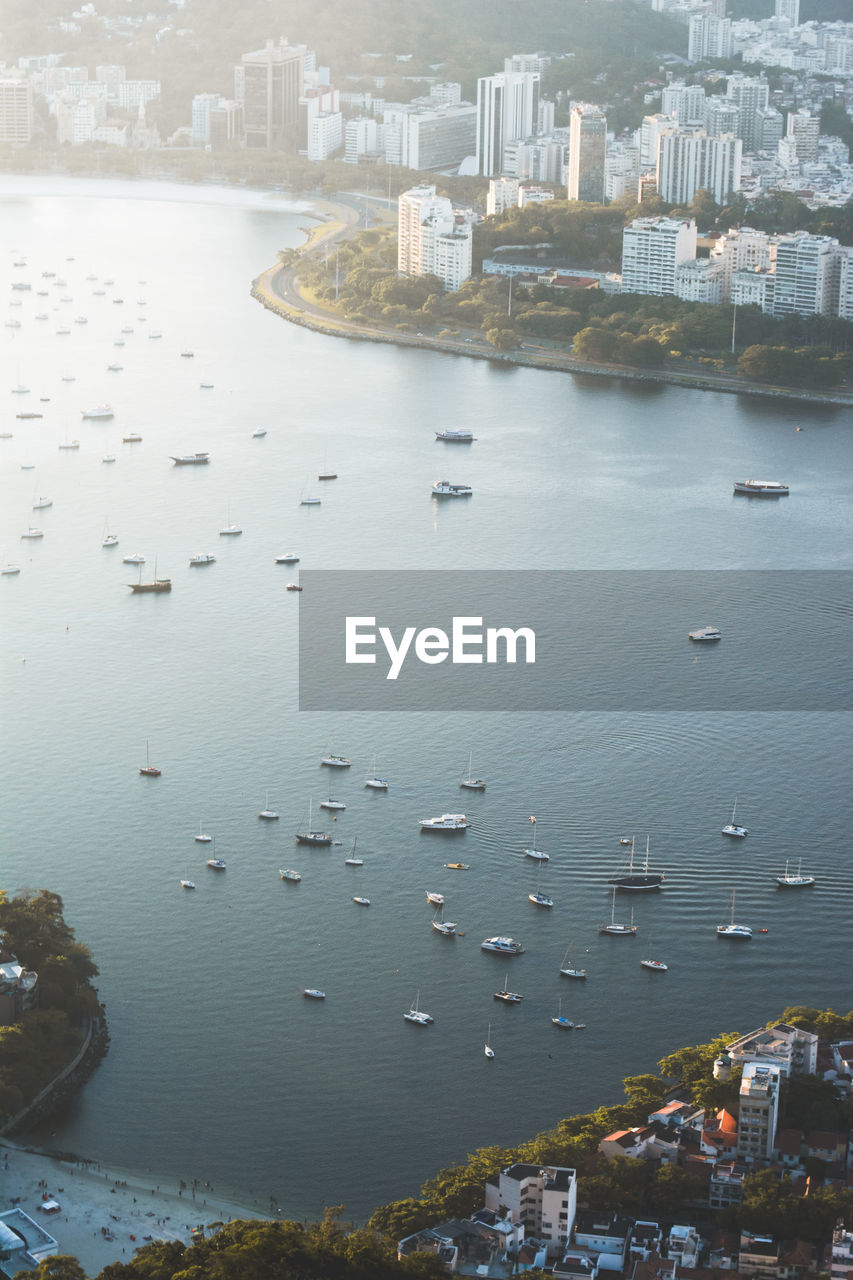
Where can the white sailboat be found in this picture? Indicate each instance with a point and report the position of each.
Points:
(567, 968)
(417, 1015)
(374, 782)
(732, 930)
(733, 828)
(229, 529)
(469, 781)
(487, 1048)
(202, 838)
(445, 927)
(267, 813)
(615, 929)
(351, 860)
(559, 1020)
(536, 854)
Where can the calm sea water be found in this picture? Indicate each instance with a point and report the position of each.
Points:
(218, 1068)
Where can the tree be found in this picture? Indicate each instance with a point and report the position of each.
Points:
(595, 343)
(646, 1092)
(501, 339)
(62, 1266)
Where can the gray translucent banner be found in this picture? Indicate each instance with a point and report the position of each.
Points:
(599, 641)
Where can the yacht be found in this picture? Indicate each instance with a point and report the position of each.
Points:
(132, 437)
(156, 585)
(447, 822)
(792, 881)
(109, 457)
(417, 1015)
(216, 864)
(312, 993)
(309, 836)
(259, 433)
(288, 558)
(732, 828)
(706, 634)
(287, 873)
(309, 502)
(761, 488)
(506, 946)
(732, 930)
(9, 570)
(435, 899)
(42, 502)
(187, 355)
(361, 902)
(559, 1020)
(69, 444)
(111, 540)
(202, 838)
(508, 997)
(190, 459)
(469, 782)
(99, 411)
(33, 533)
(444, 489)
(268, 814)
(567, 968)
(445, 927)
(136, 558)
(351, 860)
(332, 804)
(114, 368)
(638, 881)
(336, 762)
(456, 437)
(657, 965)
(204, 558)
(614, 929)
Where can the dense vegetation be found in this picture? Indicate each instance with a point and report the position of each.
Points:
(33, 1049)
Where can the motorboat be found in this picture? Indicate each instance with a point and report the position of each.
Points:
(69, 444)
(540, 899)
(33, 533)
(733, 828)
(114, 368)
(328, 475)
(312, 993)
(361, 902)
(187, 355)
(293, 586)
(204, 558)
(335, 762)
(435, 899)
(456, 437)
(9, 570)
(188, 884)
(101, 411)
(289, 558)
(287, 873)
(506, 946)
(136, 558)
(111, 540)
(132, 437)
(444, 489)
(206, 386)
(447, 822)
(705, 634)
(417, 1015)
(190, 459)
(761, 488)
(309, 502)
(732, 930)
(259, 433)
(109, 457)
(792, 881)
(457, 866)
(657, 965)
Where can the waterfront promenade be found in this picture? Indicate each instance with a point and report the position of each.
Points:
(279, 289)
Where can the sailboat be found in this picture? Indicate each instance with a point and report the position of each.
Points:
(351, 860)
(487, 1048)
(229, 528)
(417, 1015)
(535, 853)
(798, 881)
(618, 930)
(732, 930)
(156, 584)
(269, 814)
(540, 899)
(469, 781)
(567, 968)
(149, 770)
(732, 828)
(201, 838)
(332, 804)
(508, 997)
(445, 927)
(559, 1020)
(216, 864)
(309, 836)
(374, 782)
(637, 881)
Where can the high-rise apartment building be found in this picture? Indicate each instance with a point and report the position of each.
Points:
(325, 135)
(750, 94)
(16, 108)
(844, 255)
(269, 84)
(507, 109)
(805, 275)
(650, 132)
(226, 124)
(361, 136)
(709, 37)
(587, 150)
(685, 103)
(721, 116)
(503, 194)
(804, 128)
(789, 9)
(203, 104)
(652, 250)
(440, 138)
(431, 239)
(769, 127)
(758, 1111)
(688, 159)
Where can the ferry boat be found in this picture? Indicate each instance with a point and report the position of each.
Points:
(506, 946)
(761, 488)
(444, 489)
(99, 411)
(190, 459)
(456, 437)
(447, 822)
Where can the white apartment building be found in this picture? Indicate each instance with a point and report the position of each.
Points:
(792, 1050)
(202, 105)
(540, 159)
(758, 1111)
(115, 133)
(721, 116)
(750, 94)
(806, 268)
(839, 56)
(431, 239)
(743, 250)
(440, 137)
(699, 281)
(325, 135)
(530, 193)
(845, 282)
(77, 118)
(769, 127)
(621, 170)
(503, 194)
(789, 9)
(134, 93)
(709, 38)
(507, 109)
(804, 129)
(16, 108)
(649, 137)
(543, 1200)
(689, 159)
(685, 103)
(652, 250)
(360, 136)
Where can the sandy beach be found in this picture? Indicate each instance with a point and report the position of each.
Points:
(95, 1200)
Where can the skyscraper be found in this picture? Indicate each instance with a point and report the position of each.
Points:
(16, 107)
(709, 37)
(507, 109)
(587, 148)
(269, 82)
(688, 159)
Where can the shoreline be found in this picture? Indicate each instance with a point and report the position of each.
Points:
(95, 1198)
